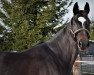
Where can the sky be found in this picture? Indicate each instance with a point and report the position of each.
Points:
(81, 4)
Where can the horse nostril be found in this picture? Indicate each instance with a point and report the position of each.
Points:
(88, 44)
(80, 44)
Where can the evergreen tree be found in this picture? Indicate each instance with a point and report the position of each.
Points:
(30, 22)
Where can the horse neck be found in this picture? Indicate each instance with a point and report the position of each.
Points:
(64, 46)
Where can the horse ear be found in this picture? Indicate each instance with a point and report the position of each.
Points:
(75, 8)
(87, 8)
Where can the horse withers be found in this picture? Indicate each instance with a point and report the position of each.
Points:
(55, 56)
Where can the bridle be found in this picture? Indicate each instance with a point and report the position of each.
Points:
(74, 33)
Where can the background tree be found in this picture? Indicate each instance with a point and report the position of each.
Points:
(92, 31)
(29, 22)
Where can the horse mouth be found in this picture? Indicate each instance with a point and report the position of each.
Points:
(83, 48)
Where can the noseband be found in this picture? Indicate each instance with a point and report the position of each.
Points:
(77, 31)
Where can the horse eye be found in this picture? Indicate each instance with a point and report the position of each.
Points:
(79, 23)
(85, 23)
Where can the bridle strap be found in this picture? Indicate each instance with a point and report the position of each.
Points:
(77, 31)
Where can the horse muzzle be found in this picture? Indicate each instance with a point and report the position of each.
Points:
(83, 44)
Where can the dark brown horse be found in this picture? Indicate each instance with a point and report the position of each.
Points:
(55, 56)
